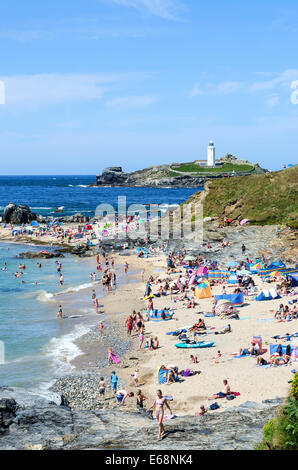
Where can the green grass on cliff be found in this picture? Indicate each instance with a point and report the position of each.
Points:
(225, 168)
(281, 433)
(263, 199)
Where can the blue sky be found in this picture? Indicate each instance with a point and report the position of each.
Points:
(96, 83)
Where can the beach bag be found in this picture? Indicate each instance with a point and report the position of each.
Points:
(230, 397)
(214, 406)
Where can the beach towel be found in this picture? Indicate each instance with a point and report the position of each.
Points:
(168, 417)
(114, 358)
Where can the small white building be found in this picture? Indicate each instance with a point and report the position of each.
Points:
(211, 154)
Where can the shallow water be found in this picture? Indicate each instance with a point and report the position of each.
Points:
(38, 346)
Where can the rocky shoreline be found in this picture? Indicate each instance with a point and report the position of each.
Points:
(32, 422)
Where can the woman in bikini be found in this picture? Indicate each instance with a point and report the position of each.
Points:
(159, 403)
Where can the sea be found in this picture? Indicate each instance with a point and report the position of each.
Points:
(35, 347)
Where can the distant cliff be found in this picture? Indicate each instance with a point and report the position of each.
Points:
(178, 175)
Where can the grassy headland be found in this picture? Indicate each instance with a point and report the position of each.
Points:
(266, 199)
(225, 168)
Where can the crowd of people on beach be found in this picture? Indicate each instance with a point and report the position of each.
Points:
(177, 286)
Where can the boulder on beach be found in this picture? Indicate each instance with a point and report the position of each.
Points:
(40, 254)
(14, 214)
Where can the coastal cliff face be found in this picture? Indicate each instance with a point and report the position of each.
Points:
(32, 422)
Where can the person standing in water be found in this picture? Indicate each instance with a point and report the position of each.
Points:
(126, 268)
(60, 312)
(101, 327)
(159, 403)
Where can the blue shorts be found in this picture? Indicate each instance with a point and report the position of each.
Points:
(114, 385)
(119, 398)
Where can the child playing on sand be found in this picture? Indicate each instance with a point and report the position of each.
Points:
(194, 359)
(114, 380)
(102, 388)
(140, 399)
(101, 328)
(141, 337)
(135, 377)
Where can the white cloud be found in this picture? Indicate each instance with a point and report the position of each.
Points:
(131, 102)
(21, 35)
(196, 90)
(49, 89)
(278, 82)
(273, 100)
(219, 89)
(166, 9)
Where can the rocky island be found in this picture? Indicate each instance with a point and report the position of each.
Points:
(178, 175)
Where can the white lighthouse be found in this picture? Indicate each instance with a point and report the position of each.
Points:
(211, 154)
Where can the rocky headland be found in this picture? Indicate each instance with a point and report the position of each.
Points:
(178, 175)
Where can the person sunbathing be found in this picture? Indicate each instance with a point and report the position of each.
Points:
(202, 411)
(187, 373)
(279, 312)
(280, 359)
(200, 325)
(253, 350)
(171, 374)
(225, 391)
(226, 329)
(154, 343)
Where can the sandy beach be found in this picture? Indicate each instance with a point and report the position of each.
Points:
(252, 382)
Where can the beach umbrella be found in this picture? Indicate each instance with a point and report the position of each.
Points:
(275, 274)
(202, 271)
(223, 302)
(223, 306)
(34, 224)
(258, 266)
(243, 221)
(232, 264)
(189, 258)
(243, 272)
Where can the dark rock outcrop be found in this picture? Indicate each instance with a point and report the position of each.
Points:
(73, 219)
(39, 254)
(36, 423)
(14, 214)
(151, 177)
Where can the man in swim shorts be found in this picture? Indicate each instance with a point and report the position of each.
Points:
(225, 391)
